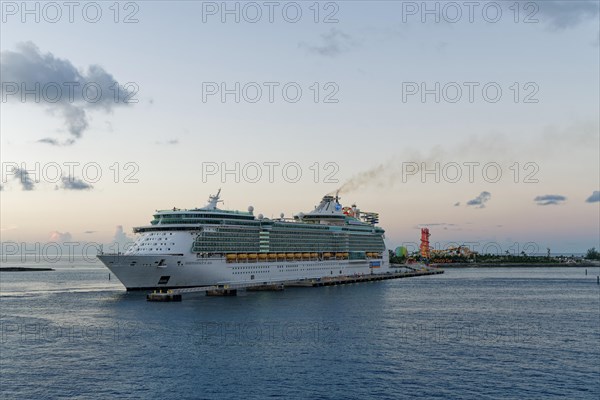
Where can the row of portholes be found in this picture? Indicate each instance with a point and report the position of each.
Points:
(147, 239)
(250, 272)
(151, 249)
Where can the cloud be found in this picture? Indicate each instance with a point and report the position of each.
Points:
(443, 225)
(168, 142)
(119, 234)
(72, 183)
(59, 237)
(480, 200)
(594, 198)
(23, 177)
(49, 141)
(68, 183)
(550, 199)
(333, 43)
(121, 239)
(9, 228)
(419, 226)
(59, 86)
(560, 15)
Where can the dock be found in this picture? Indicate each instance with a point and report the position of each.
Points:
(231, 289)
(343, 280)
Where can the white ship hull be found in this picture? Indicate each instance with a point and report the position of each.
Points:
(147, 272)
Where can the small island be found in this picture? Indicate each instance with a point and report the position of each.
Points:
(461, 257)
(24, 269)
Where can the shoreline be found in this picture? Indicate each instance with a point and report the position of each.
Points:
(517, 265)
(24, 269)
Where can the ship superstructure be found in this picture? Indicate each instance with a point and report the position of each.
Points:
(210, 246)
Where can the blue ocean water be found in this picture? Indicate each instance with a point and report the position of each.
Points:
(469, 333)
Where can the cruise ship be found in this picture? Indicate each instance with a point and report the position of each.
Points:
(210, 246)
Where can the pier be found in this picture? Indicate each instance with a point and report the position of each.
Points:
(231, 289)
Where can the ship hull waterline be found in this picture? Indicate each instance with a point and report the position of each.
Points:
(153, 272)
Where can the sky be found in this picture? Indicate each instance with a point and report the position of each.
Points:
(478, 120)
